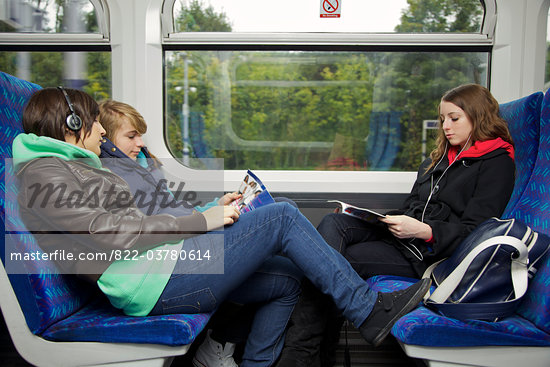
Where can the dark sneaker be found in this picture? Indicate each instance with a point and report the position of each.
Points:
(389, 308)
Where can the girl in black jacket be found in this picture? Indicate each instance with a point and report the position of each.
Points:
(467, 179)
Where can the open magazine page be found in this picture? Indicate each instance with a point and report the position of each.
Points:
(367, 215)
(254, 194)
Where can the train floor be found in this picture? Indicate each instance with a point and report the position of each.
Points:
(388, 354)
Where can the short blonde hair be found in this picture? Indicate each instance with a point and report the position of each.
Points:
(111, 112)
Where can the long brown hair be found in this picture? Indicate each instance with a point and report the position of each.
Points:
(46, 113)
(482, 109)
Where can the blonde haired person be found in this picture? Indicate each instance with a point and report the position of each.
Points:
(124, 152)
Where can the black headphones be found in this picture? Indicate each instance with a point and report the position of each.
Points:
(74, 122)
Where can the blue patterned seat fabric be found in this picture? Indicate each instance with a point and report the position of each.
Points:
(529, 121)
(61, 307)
(534, 208)
(426, 327)
(524, 117)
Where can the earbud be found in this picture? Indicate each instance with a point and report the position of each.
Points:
(73, 121)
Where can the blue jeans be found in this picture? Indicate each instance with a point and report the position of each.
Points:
(256, 238)
(312, 338)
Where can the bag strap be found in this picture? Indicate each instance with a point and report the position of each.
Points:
(518, 269)
(479, 311)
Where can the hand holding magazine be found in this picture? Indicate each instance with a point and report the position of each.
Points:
(254, 194)
(367, 215)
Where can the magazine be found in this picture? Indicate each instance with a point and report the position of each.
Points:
(254, 194)
(367, 215)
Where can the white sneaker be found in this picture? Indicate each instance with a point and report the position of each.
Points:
(213, 354)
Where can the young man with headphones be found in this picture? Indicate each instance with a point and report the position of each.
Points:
(468, 179)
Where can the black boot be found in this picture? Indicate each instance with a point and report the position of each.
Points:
(306, 329)
(389, 308)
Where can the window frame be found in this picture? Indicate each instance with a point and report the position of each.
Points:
(35, 38)
(326, 181)
(485, 37)
(362, 42)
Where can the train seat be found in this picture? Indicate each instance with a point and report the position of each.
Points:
(525, 336)
(56, 319)
(523, 117)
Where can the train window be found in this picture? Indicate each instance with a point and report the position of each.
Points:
(55, 43)
(307, 109)
(323, 16)
(89, 71)
(338, 100)
(66, 16)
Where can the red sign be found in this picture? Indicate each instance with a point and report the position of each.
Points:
(331, 8)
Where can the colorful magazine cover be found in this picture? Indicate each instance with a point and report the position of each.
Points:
(254, 194)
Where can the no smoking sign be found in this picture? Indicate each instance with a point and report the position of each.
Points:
(331, 8)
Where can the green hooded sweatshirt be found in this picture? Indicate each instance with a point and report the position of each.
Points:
(132, 283)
